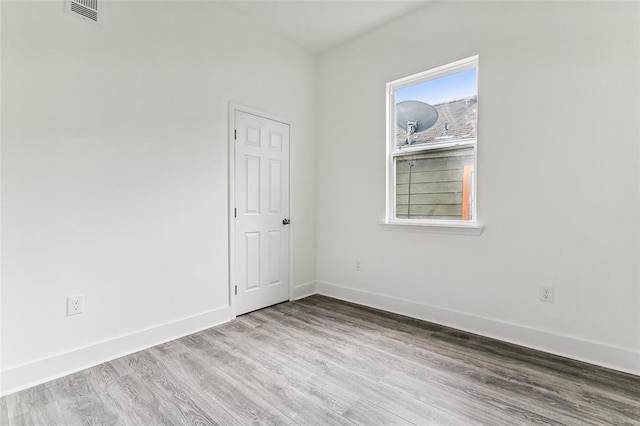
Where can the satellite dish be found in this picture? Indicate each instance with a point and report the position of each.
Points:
(415, 116)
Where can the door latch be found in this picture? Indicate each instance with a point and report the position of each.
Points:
(286, 221)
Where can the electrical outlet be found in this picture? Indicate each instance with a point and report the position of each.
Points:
(75, 305)
(358, 265)
(546, 293)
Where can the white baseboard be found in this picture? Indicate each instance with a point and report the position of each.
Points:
(33, 373)
(303, 290)
(616, 358)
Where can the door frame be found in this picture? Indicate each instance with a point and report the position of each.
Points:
(233, 108)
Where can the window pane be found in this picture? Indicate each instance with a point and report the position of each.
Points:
(440, 110)
(432, 128)
(435, 185)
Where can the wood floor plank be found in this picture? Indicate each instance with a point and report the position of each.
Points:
(500, 373)
(468, 402)
(364, 413)
(333, 386)
(4, 416)
(246, 407)
(87, 409)
(78, 396)
(322, 361)
(277, 384)
(535, 412)
(365, 384)
(21, 402)
(184, 402)
(394, 400)
(295, 372)
(325, 342)
(553, 365)
(135, 404)
(47, 414)
(459, 376)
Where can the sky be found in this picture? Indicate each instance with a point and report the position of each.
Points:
(443, 89)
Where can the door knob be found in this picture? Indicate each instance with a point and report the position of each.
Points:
(286, 221)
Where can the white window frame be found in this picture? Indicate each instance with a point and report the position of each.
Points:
(472, 226)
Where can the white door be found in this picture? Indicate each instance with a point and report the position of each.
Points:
(262, 212)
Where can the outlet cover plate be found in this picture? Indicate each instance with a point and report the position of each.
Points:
(546, 293)
(75, 305)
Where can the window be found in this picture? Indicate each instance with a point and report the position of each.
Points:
(431, 152)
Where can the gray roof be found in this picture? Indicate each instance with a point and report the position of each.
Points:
(461, 117)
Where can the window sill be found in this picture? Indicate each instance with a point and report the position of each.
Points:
(443, 227)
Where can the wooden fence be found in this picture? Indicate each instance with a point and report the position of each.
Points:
(433, 184)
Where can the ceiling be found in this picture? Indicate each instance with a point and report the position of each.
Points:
(321, 25)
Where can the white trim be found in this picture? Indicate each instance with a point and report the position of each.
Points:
(433, 146)
(231, 166)
(622, 359)
(1, 209)
(233, 108)
(389, 195)
(437, 72)
(304, 290)
(236, 106)
(43, 370)
(434, 226)
(392, 152)
(292, 228)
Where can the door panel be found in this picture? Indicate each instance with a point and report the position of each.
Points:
(252, 182)
(275, 242)
(275, 186)
(261, 202)
(252, 261)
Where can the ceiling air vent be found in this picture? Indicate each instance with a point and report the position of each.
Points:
(87, 9)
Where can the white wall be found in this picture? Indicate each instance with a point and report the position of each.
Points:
(114, 161)
(114, 173)
(558, 176)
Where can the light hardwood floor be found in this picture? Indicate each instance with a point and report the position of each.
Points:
(319, 361)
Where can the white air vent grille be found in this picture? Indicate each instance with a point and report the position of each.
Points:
(85, 8)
